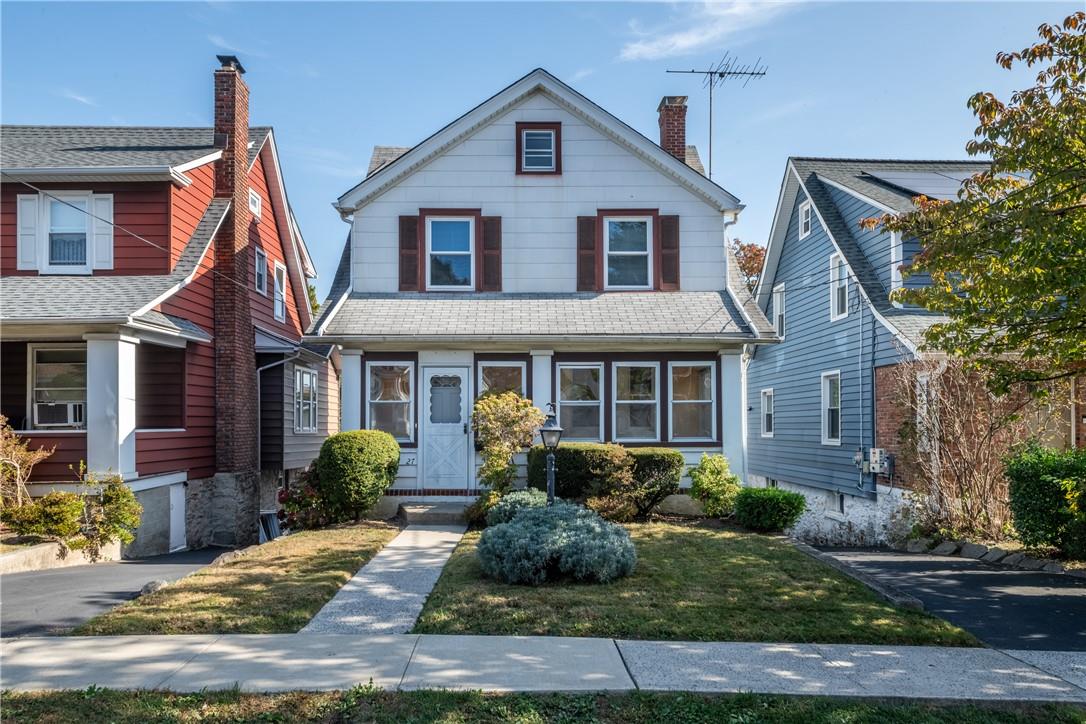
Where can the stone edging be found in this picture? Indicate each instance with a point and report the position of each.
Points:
(887, 592)
(993, 555)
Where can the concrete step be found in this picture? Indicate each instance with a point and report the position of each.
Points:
(433, 513)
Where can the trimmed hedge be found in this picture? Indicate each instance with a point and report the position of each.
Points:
(768, 509)
(512, 503)
(559, 541)
(1048, 497)
(583, 469)
(353, 470)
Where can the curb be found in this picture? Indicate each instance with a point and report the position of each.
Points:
(888, 593)
(993, 555)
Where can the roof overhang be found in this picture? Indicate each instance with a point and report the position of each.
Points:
(173, 174)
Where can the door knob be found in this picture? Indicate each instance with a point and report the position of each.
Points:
(465, 428)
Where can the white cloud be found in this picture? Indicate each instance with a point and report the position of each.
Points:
(699, 27)
(77, 97)
(221, 43)
(581, 74)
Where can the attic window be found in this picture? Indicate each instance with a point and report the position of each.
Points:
(539, 148)
(254, 203)
(804, 219)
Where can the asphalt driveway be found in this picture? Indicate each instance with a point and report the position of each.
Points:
(40, 603)
(1003, 607)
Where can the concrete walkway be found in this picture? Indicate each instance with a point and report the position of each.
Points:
(508, 663)
(387, 594)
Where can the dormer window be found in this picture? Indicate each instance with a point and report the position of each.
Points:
(539, 148)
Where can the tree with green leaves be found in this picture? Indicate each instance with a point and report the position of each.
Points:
(1007, 259)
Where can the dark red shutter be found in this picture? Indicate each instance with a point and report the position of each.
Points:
(410, 258)
(586, 254)
(669, 254)
(490, 260)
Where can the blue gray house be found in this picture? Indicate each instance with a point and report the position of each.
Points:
(819, 401)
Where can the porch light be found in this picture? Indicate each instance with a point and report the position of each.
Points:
(551, 432)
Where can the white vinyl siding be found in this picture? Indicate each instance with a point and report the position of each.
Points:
(838, 287)
(831, 408)
(692, 403)
(305, 400)
(635, 401)
(390, 398)
(279, 293)
(580, 401)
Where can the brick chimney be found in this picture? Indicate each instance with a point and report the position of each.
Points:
(235, 356)
(672, 110)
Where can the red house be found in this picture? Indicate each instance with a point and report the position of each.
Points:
(152, 301)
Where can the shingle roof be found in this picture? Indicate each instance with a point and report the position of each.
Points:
(111, 146)
(384, 155)
(705, 315)
(174, 324)
(90, 298)
(341, 282)
(693, 159)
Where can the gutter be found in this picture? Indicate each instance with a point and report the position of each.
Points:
(526, 339)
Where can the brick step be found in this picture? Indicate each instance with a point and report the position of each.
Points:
(433, 513)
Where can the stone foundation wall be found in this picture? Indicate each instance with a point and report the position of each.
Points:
(886, 519)
(235, 507)
(153, 535)
(199, 495)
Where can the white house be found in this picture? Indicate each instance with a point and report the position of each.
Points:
(537, 242)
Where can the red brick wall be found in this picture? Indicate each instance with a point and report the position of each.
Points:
(890, 415)
(673, 126)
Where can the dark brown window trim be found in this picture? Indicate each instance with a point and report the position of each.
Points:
(413, 359)
(601, 252)
(476, 253)
(665, 391)
(555, 126)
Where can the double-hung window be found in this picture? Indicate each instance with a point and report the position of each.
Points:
(896, 260)
(305, 400)
(627, 244)
(255, 204)
(767, 413)
(390, 398)
(805, 220)
(831, 408)
(580, 405)
(778, 310)
(838, 287)
(450, 244)
(693, 401)
(69, 231)
(636, 401)
(502, 377)
(279, 293)
(59, 386)
(539, 148)
(260, 272)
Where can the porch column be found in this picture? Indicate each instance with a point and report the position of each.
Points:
(733, 408)
(541, 378)
(111, 404)
(351, 390)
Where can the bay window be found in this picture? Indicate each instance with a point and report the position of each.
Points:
(636, 401)
(450, 246)
(693, 401)
(580, 406)
(627, 246)
(390, 398)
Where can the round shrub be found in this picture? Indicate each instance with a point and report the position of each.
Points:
(512, 503)
(656, 475)
(353, 470)
(768, 509)
(714, 484)
(555, 542)
(584, 469)
(1048, 497)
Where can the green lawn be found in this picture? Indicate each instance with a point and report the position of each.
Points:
(368, 705)
(273, 588)
(695, 581)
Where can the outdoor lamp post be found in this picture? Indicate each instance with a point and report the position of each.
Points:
(551, 432)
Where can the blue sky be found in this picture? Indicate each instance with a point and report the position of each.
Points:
(886, 79)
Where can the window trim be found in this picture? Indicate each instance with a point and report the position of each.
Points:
(45, 224)
(31, 414)
(824, 409)
(278, 293)
(555, 127)
(260, 264)
(780, 310)
(649, 253)
(299, 372)
(473, 229)
(255, 209)
(410, 365)
(805, 210)
(837, 261)
(897, 253)
(768, 392)
(599, 366)
(615, 402)
(671, 402)
(523, 366)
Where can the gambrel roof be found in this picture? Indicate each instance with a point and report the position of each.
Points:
(386, 173)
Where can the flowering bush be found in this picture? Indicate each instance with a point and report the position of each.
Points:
(302, 505)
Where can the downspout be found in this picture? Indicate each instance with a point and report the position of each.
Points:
(259, 411)
(742, 360)
(874, 410)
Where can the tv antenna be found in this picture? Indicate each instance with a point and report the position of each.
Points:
(728, 68)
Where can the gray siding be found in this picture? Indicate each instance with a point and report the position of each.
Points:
(300, 449)
(874, 243)
(271, 414)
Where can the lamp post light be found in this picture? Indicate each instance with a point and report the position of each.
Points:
(551, 432)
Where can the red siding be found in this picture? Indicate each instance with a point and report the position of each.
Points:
(63, 465)
(187, 206)
(142, 208)
(266, 234)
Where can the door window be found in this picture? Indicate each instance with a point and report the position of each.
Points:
(446, 399)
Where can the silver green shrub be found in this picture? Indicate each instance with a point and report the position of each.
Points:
(512, 503)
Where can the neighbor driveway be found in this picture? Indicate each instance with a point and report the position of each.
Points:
(39, 603)
(1003, 607)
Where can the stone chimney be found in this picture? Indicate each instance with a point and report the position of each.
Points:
(237, 481)
(672, 110)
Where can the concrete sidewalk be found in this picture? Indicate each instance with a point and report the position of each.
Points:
(514, 663)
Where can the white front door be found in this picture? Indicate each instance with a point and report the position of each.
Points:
(178, 539)
(446, 450)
